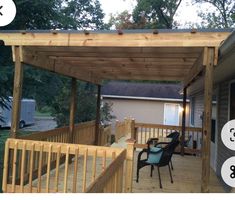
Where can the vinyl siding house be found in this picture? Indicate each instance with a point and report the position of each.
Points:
(145, 102)
(223, 101)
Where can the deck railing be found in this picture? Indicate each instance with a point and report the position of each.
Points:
(144, 131)
(84, 168)
(84, 133)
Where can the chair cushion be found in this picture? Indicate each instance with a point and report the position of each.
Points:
(154, 158)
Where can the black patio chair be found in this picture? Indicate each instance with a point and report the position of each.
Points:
(157, 156)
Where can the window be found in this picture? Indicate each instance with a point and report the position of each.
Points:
(232, 101)
(192, 110)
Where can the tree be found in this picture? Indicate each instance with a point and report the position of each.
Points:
(224, 17)
(157, 13)
(45, 14)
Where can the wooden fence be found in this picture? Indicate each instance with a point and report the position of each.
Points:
(84, 168)
(144, 131)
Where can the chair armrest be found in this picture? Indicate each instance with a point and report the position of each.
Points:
(140, 154)
(162, 143)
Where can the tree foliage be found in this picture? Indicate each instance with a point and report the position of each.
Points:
(157, 13)
(47, 88)
(148, 14)
(224, 17)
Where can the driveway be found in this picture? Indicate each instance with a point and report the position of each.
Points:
(42, 124)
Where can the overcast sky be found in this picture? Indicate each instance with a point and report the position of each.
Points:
(186, 12)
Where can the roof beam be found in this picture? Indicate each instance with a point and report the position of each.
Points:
(60, 67)
(170, 39)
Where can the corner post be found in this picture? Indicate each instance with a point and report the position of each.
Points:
(97, 121)
(129, 165)
(73, 105)
(183, 121)
(208, 92)
(17, 91)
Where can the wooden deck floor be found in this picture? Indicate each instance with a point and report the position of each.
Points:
(186, 176)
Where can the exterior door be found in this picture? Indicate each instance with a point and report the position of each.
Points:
(171, 114)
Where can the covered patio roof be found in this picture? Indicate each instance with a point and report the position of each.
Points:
(117, 55)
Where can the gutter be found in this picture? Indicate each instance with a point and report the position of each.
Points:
(142, 98)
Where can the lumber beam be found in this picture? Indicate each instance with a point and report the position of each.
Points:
(183, 121)
(170, 39)
(60, 67)
(17, 92)
(73, 105)
(208, 92)
(97, 121)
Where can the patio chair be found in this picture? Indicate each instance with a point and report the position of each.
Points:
(159, 157)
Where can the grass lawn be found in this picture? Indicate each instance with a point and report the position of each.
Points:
(42, 114)
(4, 134)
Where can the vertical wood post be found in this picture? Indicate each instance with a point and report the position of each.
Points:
(97, 123)
(129, 165)
(208, 92)
(73, 105)
(132, 128)
(17, 92)
(183, 121)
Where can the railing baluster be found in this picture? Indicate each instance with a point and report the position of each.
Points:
(22, 168)
(5, 169)
(94, 166)
(75, 170)
(84, 171)
(31, 167)
(14, 167)
(58, 155)
(104, 161)
(48, 169)
(66, 170)
(40, 167)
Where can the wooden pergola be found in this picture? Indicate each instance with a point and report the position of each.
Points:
(173, 55)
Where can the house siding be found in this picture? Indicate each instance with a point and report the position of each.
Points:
(223, 152)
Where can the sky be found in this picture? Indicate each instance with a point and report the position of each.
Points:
(185, 13)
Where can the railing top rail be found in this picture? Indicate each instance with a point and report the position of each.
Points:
(148, 125)
(44, 134)
(11, 143)
(104, 177)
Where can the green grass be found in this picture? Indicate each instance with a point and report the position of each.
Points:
(42, 114)
(4, 134)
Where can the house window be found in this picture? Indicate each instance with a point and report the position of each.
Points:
(232, 101)
(192, 110)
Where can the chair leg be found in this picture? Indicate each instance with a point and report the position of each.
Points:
(137, 174)
(171, 165)
(152, 168)
(159, 176)
(170, 173)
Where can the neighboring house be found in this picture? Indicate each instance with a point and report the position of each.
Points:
(145, 102)
(224, 97)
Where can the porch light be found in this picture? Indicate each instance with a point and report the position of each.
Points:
(181, 109)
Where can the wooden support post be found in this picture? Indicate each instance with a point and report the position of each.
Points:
(17, 92)
(132, 128)
(183, 121)
(97, 123)
(208, 91)
(73, 104)
(129, 165)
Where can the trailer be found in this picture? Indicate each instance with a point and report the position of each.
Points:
(28, 107)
